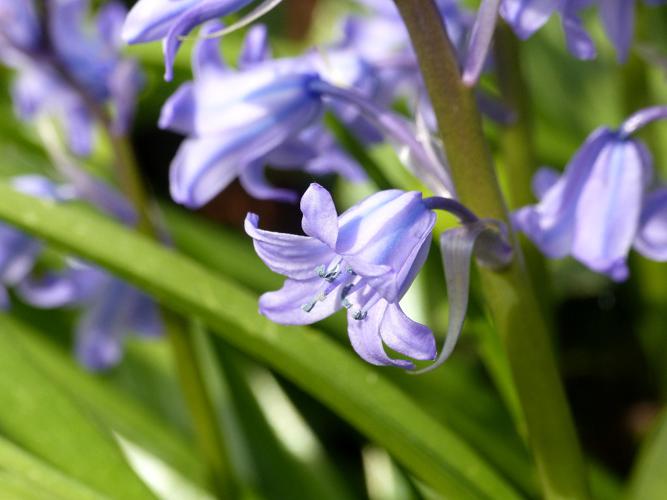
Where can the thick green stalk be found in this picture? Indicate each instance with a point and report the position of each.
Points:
(515, 309)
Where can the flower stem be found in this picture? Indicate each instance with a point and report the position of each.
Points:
(516, 311)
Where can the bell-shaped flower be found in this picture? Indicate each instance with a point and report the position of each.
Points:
(363, 261)
(267, 115)
(592, 212)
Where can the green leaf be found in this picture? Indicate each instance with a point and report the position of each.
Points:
(31, 471)
(355, 390)
(114, 408)
(43, 419)
(648, 478)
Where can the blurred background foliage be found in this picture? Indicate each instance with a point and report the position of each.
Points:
(611, 339)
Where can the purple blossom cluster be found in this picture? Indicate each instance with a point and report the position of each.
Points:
(261, 111)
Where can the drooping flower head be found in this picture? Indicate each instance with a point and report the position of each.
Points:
(593, 211)
(364, 261)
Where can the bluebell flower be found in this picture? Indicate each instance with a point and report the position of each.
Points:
(364, 261)
(618, 19)
(593, 211)
(111, 310)
(267, 115)
(64, 72)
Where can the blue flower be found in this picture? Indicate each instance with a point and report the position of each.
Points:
(268, 114)
(363, 261)
(111, 309)
(593, 212)
(618, 19)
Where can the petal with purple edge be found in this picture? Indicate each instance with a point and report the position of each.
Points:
(202, 168)
(256, 184)
(480, 41)
(527, 16)
(365, 338)
(178, 111)
(206, 57)
(256, 47)
(320, 219)
(608, 211)
(297, 303)
(651, 240)
(296, 257)
(197, 14)
(618, 19)
(406, 336)
(579, 42)
(551, 223)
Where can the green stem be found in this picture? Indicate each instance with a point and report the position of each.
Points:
(516, 312)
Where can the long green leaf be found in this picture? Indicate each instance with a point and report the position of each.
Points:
(28, 468)
(117, 411)
(356, 391)
(42, 418)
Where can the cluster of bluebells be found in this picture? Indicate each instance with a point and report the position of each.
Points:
(68, 66)
(262, 112)
(365, 259)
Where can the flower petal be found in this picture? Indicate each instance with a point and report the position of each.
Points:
(286, 306)
(296, 257)
(254, 181)
(618, 19)
(320, 219)
(366, 340)
(480, 41)
(551, 223)
(403, 335)
(527, 16)
(651, 240)
(607, 215)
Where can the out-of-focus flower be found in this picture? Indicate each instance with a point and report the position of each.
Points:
(618, 19)
(69, 69)
(267, 115)
(364, 261)
(111, 310)
(170, 20)
(593, 211)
